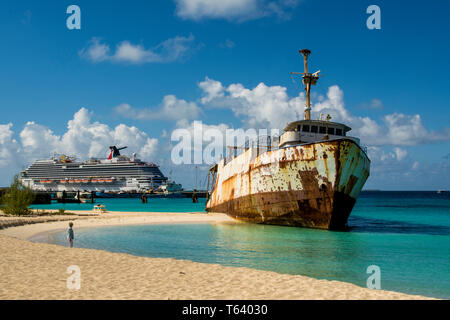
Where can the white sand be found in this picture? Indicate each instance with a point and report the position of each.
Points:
(38, 271)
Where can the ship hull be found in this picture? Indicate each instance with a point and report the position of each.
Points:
(128, 176)
(313, 185)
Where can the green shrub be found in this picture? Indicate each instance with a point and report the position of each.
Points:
(61, 211)
(17, 198)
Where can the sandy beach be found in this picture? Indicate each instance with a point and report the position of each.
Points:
(39, 271)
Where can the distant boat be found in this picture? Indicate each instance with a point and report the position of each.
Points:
(441, 191)
(171, 188)
(116, 173)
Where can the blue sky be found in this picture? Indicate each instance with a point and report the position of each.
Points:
(48, 73)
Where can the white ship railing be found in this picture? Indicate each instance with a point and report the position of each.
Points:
(264, 144)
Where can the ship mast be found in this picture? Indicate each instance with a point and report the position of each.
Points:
(308, 80)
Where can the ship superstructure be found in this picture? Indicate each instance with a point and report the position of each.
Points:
(116, 173)
(311, 176)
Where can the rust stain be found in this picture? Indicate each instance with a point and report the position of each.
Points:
(300, 189)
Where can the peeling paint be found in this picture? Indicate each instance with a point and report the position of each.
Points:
(312, 185)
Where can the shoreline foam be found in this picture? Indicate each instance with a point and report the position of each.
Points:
(38, 270)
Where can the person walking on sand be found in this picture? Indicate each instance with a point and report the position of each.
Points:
(70, 235)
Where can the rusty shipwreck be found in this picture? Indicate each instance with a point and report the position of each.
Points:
(310, 176)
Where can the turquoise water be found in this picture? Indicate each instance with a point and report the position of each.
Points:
(406, 234)
(134, 205)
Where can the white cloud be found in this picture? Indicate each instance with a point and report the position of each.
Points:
(135, 140)
(409, 130)
(266, 105)
(200, 135)
(239, 10)
(37, 141)
(169, 50)
(9, 147)
(175, 48)
(134, 53)
(388, 160)
(92, 139)
(200, 127)
(271, 107)
(333, 104)
(96, 51)
(380, 155)
(262, 106)
(374, 104)
(395, 129)
(83, 138)
(171, 108)
(212, 89)
(400, 153)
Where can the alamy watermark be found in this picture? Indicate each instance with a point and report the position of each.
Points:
(74, 280)
(374, 280)
(374, 20)
(74, 20)
(207, 145)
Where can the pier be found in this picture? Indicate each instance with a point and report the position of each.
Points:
(46, 197)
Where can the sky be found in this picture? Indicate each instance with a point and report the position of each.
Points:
(138, 70)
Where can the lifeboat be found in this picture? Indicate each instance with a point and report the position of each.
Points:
(71, 181)
(63, 181)
(43, 181)
(109, 180)
(85, 180)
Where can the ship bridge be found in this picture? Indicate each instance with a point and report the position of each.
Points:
(307, 131)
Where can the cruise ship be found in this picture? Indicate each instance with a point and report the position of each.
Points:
(115, 174)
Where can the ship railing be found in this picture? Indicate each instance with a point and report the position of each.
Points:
(259, 145)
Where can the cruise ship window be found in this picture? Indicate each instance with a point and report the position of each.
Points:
(305, 128)
(339, 132)
(330, 130)
(314, 129)
(323, 130)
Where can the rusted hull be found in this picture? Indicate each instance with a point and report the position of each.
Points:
(314, 185)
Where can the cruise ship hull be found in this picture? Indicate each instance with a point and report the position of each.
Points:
(312, 185)
(101, 176)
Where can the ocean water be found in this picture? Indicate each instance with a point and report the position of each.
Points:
(133, 205)
(406, 234)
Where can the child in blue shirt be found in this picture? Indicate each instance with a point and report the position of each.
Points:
(70, 236)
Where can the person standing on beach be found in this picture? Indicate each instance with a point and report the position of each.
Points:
(70, 235)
